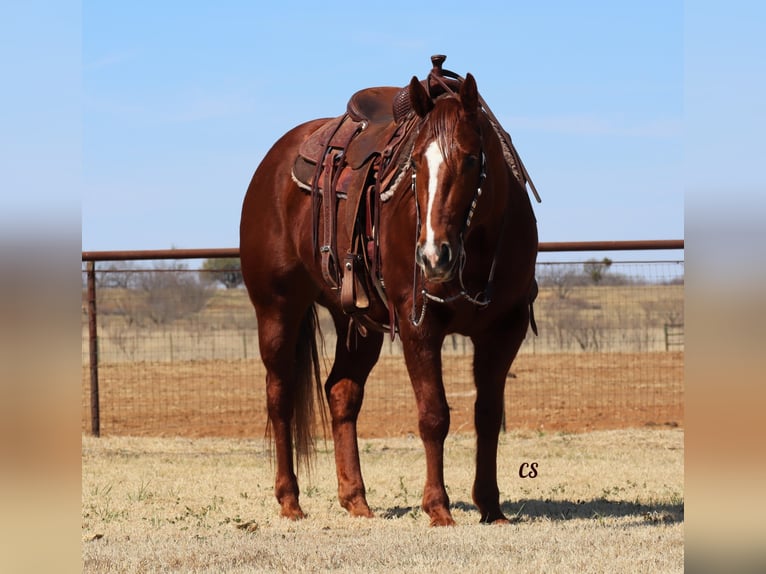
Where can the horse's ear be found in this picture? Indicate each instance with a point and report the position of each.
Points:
(469, 94)
(419, 98)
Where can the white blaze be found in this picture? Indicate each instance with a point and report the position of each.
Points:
(434, 159)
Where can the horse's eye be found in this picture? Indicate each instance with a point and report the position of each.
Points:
(413, 165)
(470, 161)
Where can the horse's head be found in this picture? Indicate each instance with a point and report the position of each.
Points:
(447, 163)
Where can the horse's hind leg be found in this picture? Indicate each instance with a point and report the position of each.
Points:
(345, 392)
(278, 333)
(493, 354)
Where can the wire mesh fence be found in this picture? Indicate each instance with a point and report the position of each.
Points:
(178, 354)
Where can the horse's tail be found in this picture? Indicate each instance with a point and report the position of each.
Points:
(308, 382)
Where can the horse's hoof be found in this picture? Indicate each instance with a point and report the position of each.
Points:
(495, 518)
(442, 521)
(367, 514)
(293, 513)
(360, 509)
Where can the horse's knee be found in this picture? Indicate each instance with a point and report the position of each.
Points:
(434, 422)
(488, 416)
(344, 398)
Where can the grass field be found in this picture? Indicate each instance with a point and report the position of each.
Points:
(603, 501)
(181, 480)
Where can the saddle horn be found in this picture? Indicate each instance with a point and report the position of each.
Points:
(438, 82)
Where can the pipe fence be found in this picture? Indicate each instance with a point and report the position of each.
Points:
(172, 349)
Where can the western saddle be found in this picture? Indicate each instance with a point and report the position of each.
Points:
(360, 157)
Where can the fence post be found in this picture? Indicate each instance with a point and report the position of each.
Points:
(95, 416)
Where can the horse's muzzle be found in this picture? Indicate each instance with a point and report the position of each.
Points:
(438, 265)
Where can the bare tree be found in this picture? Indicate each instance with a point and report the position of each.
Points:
(596, 269)
(173, 293)
(664, 311)
(225, 270)
(162, 295)
(119, 275)
(561, 277)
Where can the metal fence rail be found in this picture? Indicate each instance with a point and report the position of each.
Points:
(168, 350)
(545, 247)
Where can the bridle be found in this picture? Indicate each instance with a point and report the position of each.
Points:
(519, 171)
(483, 297)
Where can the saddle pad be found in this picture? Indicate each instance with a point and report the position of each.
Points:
(303, 173)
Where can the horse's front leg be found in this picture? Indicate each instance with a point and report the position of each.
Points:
(493, 355)
(424, 365)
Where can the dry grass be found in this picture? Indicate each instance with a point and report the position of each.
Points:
(602, 501)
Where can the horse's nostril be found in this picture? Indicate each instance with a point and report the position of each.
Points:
(419, 255)
(445, 255)
(434, 260)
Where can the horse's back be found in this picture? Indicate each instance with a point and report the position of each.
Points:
(272, 177)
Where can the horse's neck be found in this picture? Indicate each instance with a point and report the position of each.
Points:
(509, 197)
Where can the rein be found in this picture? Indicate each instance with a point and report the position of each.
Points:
(483, 297)
(509, 150)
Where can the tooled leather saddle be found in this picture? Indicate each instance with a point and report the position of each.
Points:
(357, 157)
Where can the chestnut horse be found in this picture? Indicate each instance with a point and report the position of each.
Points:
(457, 243)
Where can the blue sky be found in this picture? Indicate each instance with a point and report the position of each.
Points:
(182, 100)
